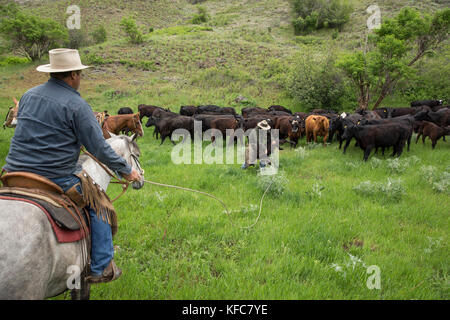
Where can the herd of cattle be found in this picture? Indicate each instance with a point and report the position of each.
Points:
(381, 128)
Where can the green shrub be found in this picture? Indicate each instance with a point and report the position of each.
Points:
(318, 14)
(99, 34)
(9, 61)
(314, 82)
(201, 17)
(131, 30)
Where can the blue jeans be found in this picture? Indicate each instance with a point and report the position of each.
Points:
(102, 250)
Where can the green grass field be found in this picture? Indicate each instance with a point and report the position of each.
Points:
(326, 218)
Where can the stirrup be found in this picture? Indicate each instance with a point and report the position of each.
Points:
(111, 272)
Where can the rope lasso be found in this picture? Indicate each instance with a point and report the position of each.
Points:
(215, 198)
(125, 185)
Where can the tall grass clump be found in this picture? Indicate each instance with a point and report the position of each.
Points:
(393, 189)
(201, 16)
(99, 34)
(278, 183)
(439, 181)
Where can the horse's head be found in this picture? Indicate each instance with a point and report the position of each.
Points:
(128, 149)
(11, 116)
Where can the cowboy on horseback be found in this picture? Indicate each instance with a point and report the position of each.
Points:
(53, 123)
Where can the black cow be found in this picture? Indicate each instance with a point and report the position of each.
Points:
(251, 123)
(407, 120)
(279, 108)
(376, 136)
(167, 125)
(430, 103)
(224, 124)
(324, 111)
(212, 109)
(247, 112)
(188, 110)
(147, 110)
(384, 113)
(291, 127)
(159, 114)
(441, 117)
(343, 124)
(206, 119)
(125, 110)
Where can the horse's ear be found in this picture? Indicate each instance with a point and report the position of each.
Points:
(134, 137)
(15, 101)
(112, 134)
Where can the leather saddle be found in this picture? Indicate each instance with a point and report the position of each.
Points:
(64, 211)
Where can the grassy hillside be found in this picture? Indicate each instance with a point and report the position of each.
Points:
(317, 236)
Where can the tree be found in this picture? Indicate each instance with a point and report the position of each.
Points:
(30, 35)
(394, 49)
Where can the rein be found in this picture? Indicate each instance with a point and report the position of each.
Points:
(125, 184)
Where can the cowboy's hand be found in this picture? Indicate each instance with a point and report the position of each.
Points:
(133, 176)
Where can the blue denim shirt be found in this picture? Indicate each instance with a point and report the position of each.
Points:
(53, 122)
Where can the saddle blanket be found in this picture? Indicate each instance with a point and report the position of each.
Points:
(63, 235)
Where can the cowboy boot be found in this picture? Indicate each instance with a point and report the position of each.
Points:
(111, 272)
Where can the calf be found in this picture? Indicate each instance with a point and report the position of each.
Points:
(434, 132)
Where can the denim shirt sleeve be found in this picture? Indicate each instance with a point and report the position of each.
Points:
(90, 135)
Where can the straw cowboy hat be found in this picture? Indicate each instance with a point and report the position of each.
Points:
(63, 60)
(264, 125)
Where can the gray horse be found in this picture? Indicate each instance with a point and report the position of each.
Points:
(33, 265)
